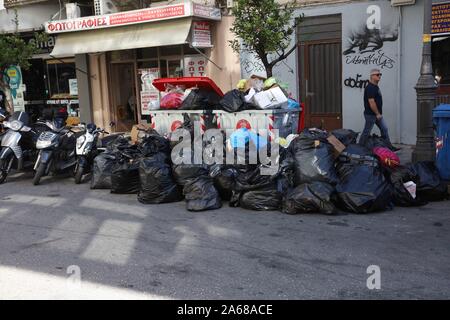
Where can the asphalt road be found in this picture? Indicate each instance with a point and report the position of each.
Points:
(55, 234)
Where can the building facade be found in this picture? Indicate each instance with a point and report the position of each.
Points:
(49, 83)
(339, 42)
(118, 53)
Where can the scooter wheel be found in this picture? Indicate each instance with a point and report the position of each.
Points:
(39, 173)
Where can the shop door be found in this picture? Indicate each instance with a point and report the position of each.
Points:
(320, 63)
(123, 96)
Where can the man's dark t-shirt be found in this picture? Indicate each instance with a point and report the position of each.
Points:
(372, 92)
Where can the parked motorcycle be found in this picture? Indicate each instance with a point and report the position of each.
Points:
(17, 145)
(87, 149)
(56, 151)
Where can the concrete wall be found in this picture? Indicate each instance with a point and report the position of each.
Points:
(398, 60)
(31, 17)
(101, 112)
(223, 56)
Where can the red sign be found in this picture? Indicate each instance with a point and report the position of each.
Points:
(146, 15)
(201, 34)
(194, 66)
(186, 9)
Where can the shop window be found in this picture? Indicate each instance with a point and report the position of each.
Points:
(34, 80)
(147, 53)
(148, 64)
(187, 49)
(441, 60)
(121, 55)
(170, 51)
(62, 79)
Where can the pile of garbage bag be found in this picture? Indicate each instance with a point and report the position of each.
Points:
(362, 186)
(309, 174)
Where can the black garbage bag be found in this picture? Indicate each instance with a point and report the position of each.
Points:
(430, 187)
(201, 195)
(313, 197)
(156, 182)
(363, 187)
(102, 170)
(125, 177)
(346, 136)
(255, 191)
(356, 149)
(376, 141)
(118, 143)
(225, 182)
(314, 159)
(402, 197)
(200, 99)
(184, 173)
(267, 198)
(153, 143)
(234, 101)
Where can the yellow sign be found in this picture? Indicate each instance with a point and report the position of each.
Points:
(12, 73)
(426, 38)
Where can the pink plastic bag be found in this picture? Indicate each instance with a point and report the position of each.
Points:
(387, 157)
(172, 100)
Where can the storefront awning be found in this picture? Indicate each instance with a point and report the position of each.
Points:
(154, 34)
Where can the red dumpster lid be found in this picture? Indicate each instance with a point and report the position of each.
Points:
(188, 82)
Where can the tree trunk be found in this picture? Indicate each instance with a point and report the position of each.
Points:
(269, 71)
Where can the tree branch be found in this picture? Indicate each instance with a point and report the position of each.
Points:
(283, 56)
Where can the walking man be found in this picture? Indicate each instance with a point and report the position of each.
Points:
(373, 110)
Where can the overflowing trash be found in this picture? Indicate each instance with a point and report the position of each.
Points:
(314, 160)
(312, 171)
(313, 197)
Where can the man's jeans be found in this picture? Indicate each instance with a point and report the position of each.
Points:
(372, 120)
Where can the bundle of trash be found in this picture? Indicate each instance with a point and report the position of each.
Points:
(313, 172)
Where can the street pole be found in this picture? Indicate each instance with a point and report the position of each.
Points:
(425, 149)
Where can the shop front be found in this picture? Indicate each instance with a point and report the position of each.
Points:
(49, 84)
(125, 51)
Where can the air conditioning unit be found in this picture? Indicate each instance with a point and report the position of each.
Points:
(102, 7)
(72, 11)
(397, 3)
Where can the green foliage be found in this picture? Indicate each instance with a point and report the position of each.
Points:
(265, 28)
(15, 51)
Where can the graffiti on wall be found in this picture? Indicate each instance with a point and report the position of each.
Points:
(369, 40)
(356, 82)
(367, 45)
(377, 59)
(252, 66)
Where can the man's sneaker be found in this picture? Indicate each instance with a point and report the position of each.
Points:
(394, 148)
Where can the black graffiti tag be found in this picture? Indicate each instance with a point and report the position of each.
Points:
(379, 59)
(356, 83)
(252, 66)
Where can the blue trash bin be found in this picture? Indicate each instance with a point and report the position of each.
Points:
(441, 119)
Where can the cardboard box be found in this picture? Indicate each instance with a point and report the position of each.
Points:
(339, 147)
(136, 133)
(271, 99)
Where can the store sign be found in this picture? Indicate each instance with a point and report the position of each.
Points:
(194, 66)
(42, 46)
(73, 87)
(149, 94)
(186, 9)
(201, 34)
(440, 24)
(206, 12)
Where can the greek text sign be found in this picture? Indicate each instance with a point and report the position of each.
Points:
(186, 9)
(441, 19)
